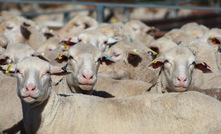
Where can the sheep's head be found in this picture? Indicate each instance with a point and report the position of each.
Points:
(83, 60)
(33, 79)
(177, 65)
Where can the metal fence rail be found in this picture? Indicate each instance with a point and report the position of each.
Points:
(100, 6)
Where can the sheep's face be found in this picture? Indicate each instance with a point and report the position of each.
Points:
(33, 80)
(178, 64)
(12, 30)
(83, 61)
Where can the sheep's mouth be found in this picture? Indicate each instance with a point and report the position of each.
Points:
(86, 86)
(181, 88)
(29, 99)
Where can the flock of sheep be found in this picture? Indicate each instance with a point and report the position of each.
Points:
(108, 78)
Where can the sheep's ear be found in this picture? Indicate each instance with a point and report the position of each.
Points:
(62, 57)
(203, 67)
(41, 56)
(25, 32)
(59, 71)
(151, 30)
(10, 68)
(214, 41)
(157, 63)
(48, 35)
(134, 58)
(3, 59)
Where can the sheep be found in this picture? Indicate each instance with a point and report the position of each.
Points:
(216, 93)
(4, 41)
(128, 61)
(77, 25)
(10, 105)
(161, 46)
(213, 38)
(50, 44)
(109, 88)
(176, 70)
(204, 52)
(151, 113)
(143, 32)
(83, 59)
(194, 30)
(176, 35)
(93, 37)
(21, 30)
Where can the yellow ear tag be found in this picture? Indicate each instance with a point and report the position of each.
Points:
(154, 53)
(42, 54)
(213, 38)
(65, 46)
(135, 50)
(51, 31)
(59, 57)
(8, 68)
(215, 51)
(113, 20)
(154, 61)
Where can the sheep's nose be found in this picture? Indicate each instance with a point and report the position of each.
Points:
(30, 88)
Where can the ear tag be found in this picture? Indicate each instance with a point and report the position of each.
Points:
(154, 53)
(215, 51)
(8, 68)
(205, 65)
(51, 31)
(65, 46)
(154, 61)
(135, 50)
(59, 57)
(68, 42)
(131, 40)
(42, 54)
(107, 57)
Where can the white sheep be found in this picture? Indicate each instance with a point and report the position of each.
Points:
(96, 38)
(161, 46)
(176, 70)
(152, 113)
(83, 59)
(125, 60)
(77, 25)
(109, 88)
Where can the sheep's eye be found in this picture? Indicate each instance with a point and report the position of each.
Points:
(135, 29)
(194, 63)
(79, 40)
(116, 54)
(105, 42)
(9, 27)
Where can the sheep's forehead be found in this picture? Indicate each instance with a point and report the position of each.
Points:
(33, 62)
(180, 53)
(81, 48)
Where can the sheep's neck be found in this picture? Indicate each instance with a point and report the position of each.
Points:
(33, 113)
